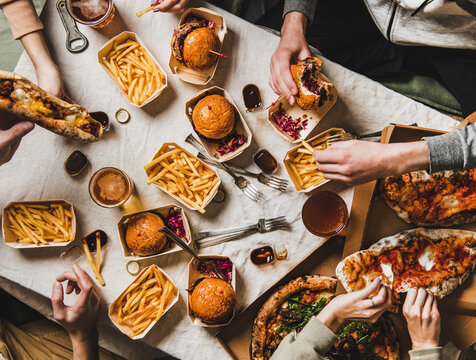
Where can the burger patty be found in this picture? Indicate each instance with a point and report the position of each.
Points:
(180, 34)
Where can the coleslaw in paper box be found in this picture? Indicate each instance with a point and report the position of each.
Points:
(163, 211)
(118, 40)
(308, 119)
(189, 75)
(241, 127)
(194, 274)
(127, 330)
(11, 239)
(298, 172)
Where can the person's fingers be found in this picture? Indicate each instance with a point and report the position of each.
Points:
(15, 133)
(329, 168)
(410, 300)
(381, 297)
(304, 53)
(171, 6)
(435, 314)
(289, 80)
(327, 156)
(69, 287)
(57, 297)
(67, 275)
(338, 177)
(87, 285)
(420, 298)
(291, 99)
(427, 306)
(365, 293)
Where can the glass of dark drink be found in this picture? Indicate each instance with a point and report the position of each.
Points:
(325, 214)
(110, 187)
(95, 13)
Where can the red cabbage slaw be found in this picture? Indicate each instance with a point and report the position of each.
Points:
(290, 126)
(205, 23)
(230, 143)
(223, 264)
(174, 222)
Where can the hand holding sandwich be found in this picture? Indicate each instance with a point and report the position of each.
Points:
(293, 46)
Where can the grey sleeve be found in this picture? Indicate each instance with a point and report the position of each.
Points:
(426, 354)
(312, 343)
(306, 7)
(453, 151)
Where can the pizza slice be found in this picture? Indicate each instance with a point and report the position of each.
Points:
(27, 101)
(360, 340)
(439, 260)
(440, 199)
(289, 309)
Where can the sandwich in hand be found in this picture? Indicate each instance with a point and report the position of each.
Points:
(314, 88)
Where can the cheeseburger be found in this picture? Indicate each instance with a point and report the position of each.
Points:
(213, 301)
(214, 117)
(314, 89)
(142, 234)
(193, 42)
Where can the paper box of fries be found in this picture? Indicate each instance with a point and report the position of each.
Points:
(32, 224)
(193, 76)
(144, 302)
(133, 69)
(184, 177)
(302, 122)
(197, 272)
(241, 127)
(163, 212)
(301, 165)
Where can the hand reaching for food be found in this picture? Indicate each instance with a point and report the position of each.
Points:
(356, 162)
(293, 46)
(171, 6)
(12, 131)
(423, 319)
(357, 306)
(49, 79)
(79, 319)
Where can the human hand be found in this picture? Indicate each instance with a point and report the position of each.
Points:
(171, 6)
(12, 131)
(79, 320)
(355, 162)
(423, 319)
(357, 306)
(49, 79)
(293, 46)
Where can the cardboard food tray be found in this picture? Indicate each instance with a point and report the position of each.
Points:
(194, 275)
(126, 329)
(332, 131)
(312, 116)
(122, 38)
(193, 76)
(206, 201)
(241, 127)
(163, 211)
(10, 238)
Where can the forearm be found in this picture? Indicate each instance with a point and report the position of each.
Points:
(35, 45)
(85, 346)
(294, 24)
(401, 158)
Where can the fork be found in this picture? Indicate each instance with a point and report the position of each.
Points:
(263, 225)
(272, 181)
(244, 185)
(349, 136)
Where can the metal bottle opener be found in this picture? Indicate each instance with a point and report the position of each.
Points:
(72, 32)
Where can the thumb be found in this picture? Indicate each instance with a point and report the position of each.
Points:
(57, 298)
(16, 132)
(304, 53)
(365, 293)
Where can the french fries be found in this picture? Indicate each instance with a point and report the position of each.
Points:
(144, 301)
(40, 224)
(301, 164)
(183, 175)
(135, 71)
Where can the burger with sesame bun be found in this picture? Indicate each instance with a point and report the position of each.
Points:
(214, 117)
(213, 301)
(193, 42)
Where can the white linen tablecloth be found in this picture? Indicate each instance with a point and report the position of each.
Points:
(36, 172)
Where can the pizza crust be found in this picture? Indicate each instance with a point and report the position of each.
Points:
(60, 127)
(312, 282)
(354, 261)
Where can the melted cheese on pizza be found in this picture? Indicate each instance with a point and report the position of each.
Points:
(430, 199)
(422, 262)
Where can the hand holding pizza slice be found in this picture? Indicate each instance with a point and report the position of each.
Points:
(439, 260)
